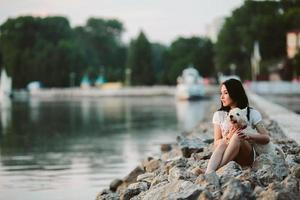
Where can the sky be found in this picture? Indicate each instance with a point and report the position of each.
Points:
(161, 20)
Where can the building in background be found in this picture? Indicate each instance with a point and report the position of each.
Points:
(293, 42)
(213, 29)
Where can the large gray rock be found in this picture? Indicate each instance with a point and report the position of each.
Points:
(205, 155)
(147, 177)
(174, 153)
(235, 190)
(189, 146)
(158, 179)
(211, 183)
(296, 171)
(165, 147)
(175, 162)
(269, 168)
(291, 183)
(187, 191)
(130, 178)
(231, 169)
(174, 190)
(134, 189)
(275, 191)
(107, 195)
(115, 184)
(206, 195)
(152, 165)
(180, 173)
(208, 180)
(212, 178)
(291, 160)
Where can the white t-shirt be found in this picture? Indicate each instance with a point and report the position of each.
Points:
(219, 118)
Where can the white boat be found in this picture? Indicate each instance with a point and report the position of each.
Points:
(190, 85)
(5, 85)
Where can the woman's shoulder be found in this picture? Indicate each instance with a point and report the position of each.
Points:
(254, 112)
(219, 116)
(255, 116)
(220, 113)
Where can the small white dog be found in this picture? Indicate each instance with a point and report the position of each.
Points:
(238, 117)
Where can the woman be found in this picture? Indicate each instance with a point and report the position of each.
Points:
(230, 143)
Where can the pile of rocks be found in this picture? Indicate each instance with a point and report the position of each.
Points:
(171, 177)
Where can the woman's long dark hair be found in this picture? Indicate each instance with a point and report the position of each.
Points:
(237, 93)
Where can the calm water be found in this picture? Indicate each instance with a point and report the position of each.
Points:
(72, 148)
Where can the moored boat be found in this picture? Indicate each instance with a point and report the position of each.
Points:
(190, 85)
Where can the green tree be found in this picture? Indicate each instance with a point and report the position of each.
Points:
(36, 49)
(159, 61)
(103, 41)
(140, 61)
(49, 50)
(292, 18)
(185, 51)
(260, 21)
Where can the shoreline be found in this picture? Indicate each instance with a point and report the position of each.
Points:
(97, 92)
(170, 176)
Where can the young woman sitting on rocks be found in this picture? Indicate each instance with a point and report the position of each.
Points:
(230, 143)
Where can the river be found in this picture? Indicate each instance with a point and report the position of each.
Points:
(72, 148)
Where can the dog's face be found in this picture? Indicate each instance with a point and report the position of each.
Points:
(238, 117)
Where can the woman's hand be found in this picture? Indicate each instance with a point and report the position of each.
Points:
(233, 130)
(243, 135)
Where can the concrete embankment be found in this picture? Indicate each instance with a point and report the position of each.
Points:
(119, 92)
(288, 121)
(96, 92)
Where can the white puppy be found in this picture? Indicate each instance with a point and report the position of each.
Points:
(239, 118)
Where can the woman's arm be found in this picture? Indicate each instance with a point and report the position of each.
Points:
(261, 138)
(217, 134)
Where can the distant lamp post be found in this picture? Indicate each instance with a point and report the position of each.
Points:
(72, 79)
(127, 76)
(232, 68)
(255, 61)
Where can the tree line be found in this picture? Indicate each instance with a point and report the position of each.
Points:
(49, 50)
(266, 22)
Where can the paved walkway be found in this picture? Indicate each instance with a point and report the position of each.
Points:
(287, 120)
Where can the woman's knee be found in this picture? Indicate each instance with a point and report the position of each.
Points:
(222, 145)
(235, 138)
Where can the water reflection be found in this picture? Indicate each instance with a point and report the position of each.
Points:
(5, 106)
(33, 106)
(189, 113)
(57, 147)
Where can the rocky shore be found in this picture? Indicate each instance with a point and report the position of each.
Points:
(170, 175)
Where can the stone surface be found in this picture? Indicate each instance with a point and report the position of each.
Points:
(235, 190)
(189, 146)
(134, 189)
(152, 165)
(115, 184)
(170, 176)
(165, 147)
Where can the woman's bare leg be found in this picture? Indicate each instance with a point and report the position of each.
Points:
(232, 150)
(216, 157)
(238, 150)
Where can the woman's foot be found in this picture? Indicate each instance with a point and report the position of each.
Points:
(197, 171)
